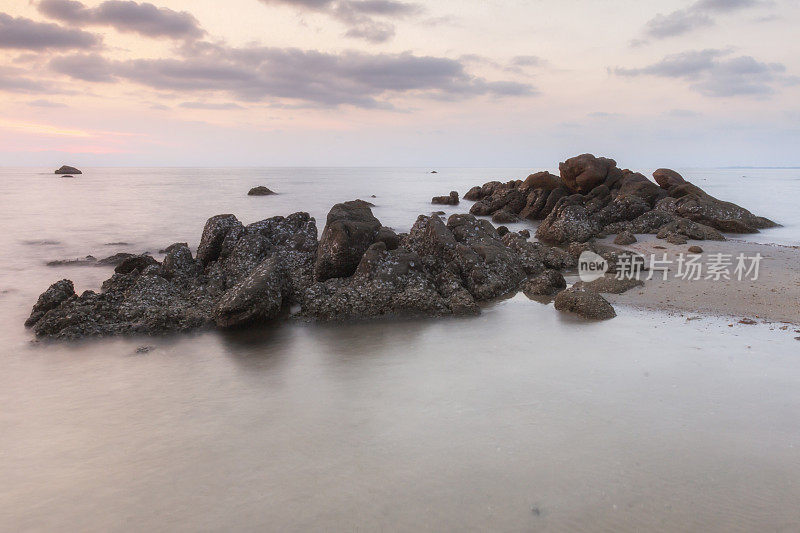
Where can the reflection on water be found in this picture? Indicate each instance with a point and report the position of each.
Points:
(519, 419)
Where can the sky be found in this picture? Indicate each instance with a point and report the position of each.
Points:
(399, 82)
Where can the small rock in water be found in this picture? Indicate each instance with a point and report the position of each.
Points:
(117, 243)
(451, 199)
(586, 304)
(695, 250)
(524, 233)
(144, 349)
(66, 169)
(115, 259)
(434, 172)
(260, 191)
(748, 321)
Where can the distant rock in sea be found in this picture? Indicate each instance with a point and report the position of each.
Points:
(68, 170)
(260, 191)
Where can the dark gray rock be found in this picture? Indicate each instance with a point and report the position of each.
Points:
(260, 191)
(609, 284)
(258, 297)
(568, 222)
(80, 261)
(217, 228)
(58, 293)
(350, 229)
(137, 262)
(68, 170)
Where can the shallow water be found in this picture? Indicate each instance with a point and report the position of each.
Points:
(519, 419)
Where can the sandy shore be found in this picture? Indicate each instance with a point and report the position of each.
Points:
(773, 297)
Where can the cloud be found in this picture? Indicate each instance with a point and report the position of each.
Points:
(307, 76)
(210, 106)
(126, 16)
(85, 67)
(15, 80)
(364, 19)
(528, 61)
(46, 103)
(697, 15)
(26, 34)
(714, 73)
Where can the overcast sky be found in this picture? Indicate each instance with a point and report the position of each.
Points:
(399, 83)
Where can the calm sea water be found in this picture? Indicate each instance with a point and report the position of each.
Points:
(520, 419)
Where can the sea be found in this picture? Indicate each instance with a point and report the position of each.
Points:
(520, 419)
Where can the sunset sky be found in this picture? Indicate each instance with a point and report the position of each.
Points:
(399, 83)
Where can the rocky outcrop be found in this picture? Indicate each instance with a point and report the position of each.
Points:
(451, 199)
(58, 293)
(260, 191)
(593, 197)
(66, 169)
(258, 297)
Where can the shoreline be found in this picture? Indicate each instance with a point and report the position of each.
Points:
(772, 298)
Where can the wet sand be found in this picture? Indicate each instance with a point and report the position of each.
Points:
(773, 297)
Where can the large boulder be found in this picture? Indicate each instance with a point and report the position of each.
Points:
(55, 295)
(217, 228)
(349, 230)
(66, 169)
(568, 222)
(542, 180)
(584, 172)
(586, 304)
(258, 297)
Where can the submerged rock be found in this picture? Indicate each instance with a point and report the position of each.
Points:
(66, 169)
(260, 191)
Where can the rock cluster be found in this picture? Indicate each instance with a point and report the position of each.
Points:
(593, 197)
(360, 269)
(451, 199)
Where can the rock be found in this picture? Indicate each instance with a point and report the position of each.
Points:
(668, 178)
(451, 199)
(387, 283)
(624, 238)
(635, 184)
(675, 238)
(691, 202)
(116, 259)
(54, 296)
(259, 191)
(609, 284)
(547, 283)
(690, 230)
(438, 213)
(584, 172)
(503, 216)
(542, 180)
(434, 172)
(695, 250)
(216, 229)
(137, 262)
(748, 321)
(350, 229)
(68, 170)
(258, 297)
(144, 349)
(649, 222)
(568, 222)
(80, 261)
(502, 230)
(473, 194)
(388, 237)
(524, 233)
(586, 304)
(179, 262)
